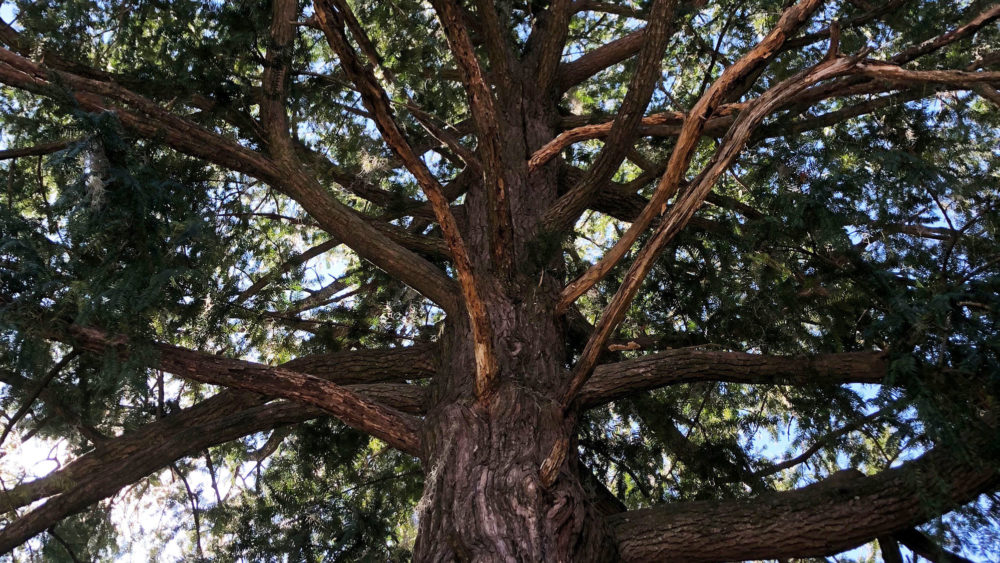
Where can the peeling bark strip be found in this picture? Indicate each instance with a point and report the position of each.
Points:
(331, 21)
(828, 517)
(687, 141)
(680, 158)
(395, 428)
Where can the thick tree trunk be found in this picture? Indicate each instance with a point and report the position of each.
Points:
(484, 499)
(484, 495)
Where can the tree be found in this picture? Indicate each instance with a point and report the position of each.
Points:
(562, 281)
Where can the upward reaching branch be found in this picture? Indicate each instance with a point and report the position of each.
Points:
(694, 124)
(332, 15)
(488, 126)
(564, 211)
(679, 159)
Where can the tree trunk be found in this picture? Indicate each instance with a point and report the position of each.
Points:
(484, 498)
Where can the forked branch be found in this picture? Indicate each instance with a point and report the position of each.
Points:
(683, 210)
(687, 141)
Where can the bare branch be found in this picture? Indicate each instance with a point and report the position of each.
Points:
(395, 428)
(575, 72)
(882, 71)
(36, 150)
(292, 262)
(691, 365)
(565, 210)
(792, 524)
(37, 392)
(601, 130)
(975, 24)
(926, 548)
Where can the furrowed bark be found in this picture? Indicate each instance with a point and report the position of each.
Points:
(395, 428)
(821, 519)
(691, 365)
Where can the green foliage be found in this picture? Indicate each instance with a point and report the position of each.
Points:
(809, 247)
(332, 494)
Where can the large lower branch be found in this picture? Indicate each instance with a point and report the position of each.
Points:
(230, 415)
(821, 519)
(399, 430)
(122, 461)
(691, 365)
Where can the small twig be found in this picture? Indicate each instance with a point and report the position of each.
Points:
(52, 373)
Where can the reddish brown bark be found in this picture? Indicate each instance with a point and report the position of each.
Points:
(497, 439)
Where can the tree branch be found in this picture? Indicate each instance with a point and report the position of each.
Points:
(684, 209)
(691, 365)
(151, 121)
(921, 545)
(124, 460)
(37, 392)
(683, 151)
(484, 113)
(565, 210)
(331, 20)
(575, 72)
(369, 372)
(550, 36)
(395, 428)
(36, 150)
(797, 523)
